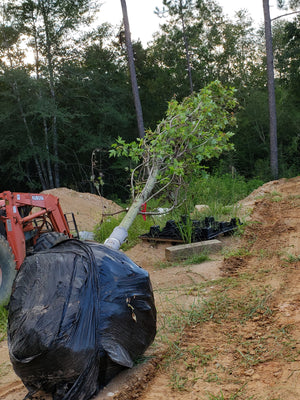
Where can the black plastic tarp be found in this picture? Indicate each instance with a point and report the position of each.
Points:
(79, 313)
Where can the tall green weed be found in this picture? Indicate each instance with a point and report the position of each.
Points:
(224, 189)
(3, 322)
(219, 192)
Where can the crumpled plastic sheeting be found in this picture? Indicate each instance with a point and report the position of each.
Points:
(79, 313)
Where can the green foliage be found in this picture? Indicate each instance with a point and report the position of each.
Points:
(93, 104)
(193, 259)
(197, 259)
(226, 189)
(3, 322)
(104, 229)
(219, 48)
(93, 101)
(193, 131)
(239, 252)
(252, 139)
(219, 192)
(291, 258)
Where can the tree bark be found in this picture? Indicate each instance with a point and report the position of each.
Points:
(271, 91)
(119, 234)
(30, 140)
(53, 95)
(134, 85)
(140, 199)
(187, 53)
(37, 72)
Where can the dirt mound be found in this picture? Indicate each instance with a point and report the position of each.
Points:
(88, 208)
(280, 187)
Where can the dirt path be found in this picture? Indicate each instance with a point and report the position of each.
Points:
(228, 328)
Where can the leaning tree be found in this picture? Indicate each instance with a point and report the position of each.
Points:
(193, 131)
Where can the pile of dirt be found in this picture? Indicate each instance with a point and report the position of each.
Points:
(87, 208)
(277, 188)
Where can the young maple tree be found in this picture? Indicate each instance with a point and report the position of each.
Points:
(193, 131)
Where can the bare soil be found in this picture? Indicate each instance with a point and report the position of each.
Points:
(88, 209)
(228, 328)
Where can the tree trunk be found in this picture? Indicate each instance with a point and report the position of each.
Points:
(53, 96)
(271, 91)
(49, 168)
(140, 199)
(30, 140)
(120, 233)
(37, 72)
(135, 89)
(187, 54)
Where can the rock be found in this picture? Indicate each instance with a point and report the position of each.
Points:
(201, 208)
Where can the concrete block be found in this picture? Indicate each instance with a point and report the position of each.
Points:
(201, 208)
(184, 251)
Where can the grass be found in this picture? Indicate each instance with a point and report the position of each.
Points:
(274, 344)
(5, 368)
(178, 382)
(257, 303)
(291, 258)
(237, 395)
(197, 259)
(239, 252)
(193, 259)
(3, 323)
(212, 302)
(226, 302)
(221, 191)
(274, 197)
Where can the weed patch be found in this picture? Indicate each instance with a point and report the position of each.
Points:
(178, 381)
(3, 323)
(226, 302)
(239, 252)
(256, 303)
(237, 395)
(291, 258)
(5, 368)
(197, 259)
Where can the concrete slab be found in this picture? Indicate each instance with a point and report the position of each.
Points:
(185, 251)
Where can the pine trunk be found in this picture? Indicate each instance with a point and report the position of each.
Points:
(135, 89)
(271, 92)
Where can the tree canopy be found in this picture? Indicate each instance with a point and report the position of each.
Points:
(65, 90)
(193, 131)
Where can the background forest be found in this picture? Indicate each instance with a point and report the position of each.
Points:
(65, 91)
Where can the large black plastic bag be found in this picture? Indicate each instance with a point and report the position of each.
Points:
(79, 313)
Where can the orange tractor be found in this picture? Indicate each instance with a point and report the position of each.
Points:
(29, 223)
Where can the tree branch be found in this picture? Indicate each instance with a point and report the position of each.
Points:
(285, 15)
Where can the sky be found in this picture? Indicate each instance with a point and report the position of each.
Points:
(143, 22)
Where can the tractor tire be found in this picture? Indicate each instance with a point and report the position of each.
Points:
(48, 240)
(7, 271)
